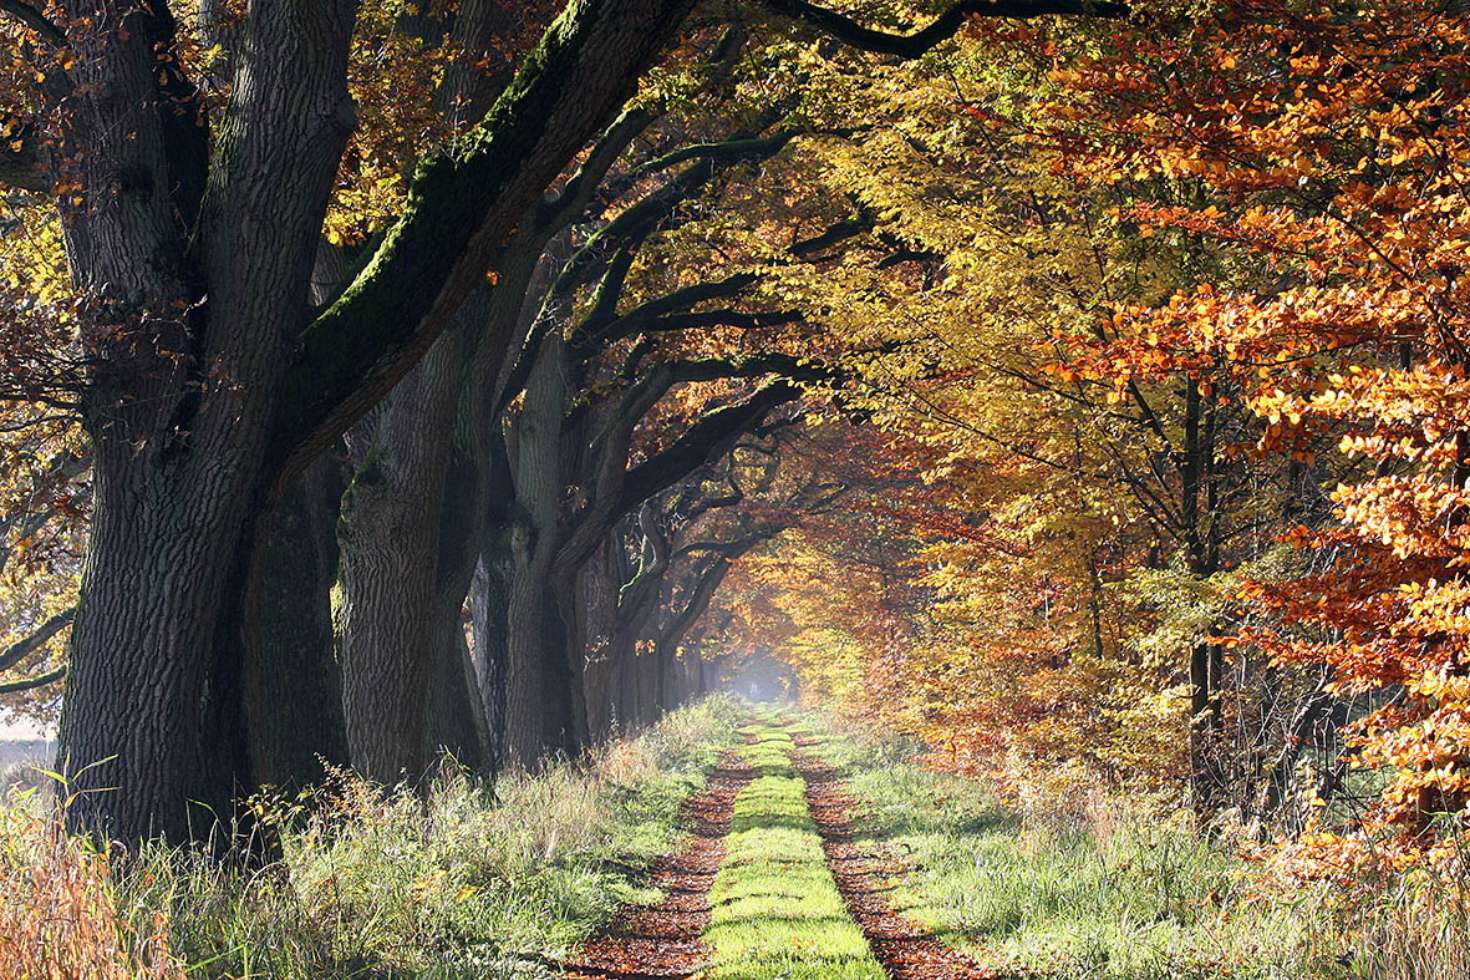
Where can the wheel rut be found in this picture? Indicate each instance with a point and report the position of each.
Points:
(905, 950)
(661, 942)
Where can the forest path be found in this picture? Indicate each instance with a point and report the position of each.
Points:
(772, 886)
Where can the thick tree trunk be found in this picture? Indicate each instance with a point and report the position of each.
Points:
(406, 536)
(206, 391)
(294, 684)
(201, 301)
(159, 742)
(389, 535)
(533, 533)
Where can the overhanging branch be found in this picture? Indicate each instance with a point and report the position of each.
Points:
(21, 649)
(941, 29)
(31, 683)
(35, 20)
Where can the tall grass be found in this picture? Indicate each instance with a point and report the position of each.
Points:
(60, 916)
(469, 880)
(1072, 880)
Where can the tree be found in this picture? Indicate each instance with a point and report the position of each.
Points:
(192, 224)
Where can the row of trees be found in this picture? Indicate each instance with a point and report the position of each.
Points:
(328, 322)
(1176, 465)
(1078, 389)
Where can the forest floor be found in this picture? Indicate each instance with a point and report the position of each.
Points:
(726, 843)
(812, 857)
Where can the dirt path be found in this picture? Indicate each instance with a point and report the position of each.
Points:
(906, 950)
(661, 942)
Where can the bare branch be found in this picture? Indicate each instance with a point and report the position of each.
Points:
(941, 29)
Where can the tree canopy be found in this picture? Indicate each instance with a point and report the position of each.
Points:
(1069, 384)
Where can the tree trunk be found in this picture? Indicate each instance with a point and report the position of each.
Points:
(389, 536)
(295, 684)
(598, 602)
(207, 393)
(646, 670)
(1204, 659)
(489, 598)
(533, 534)
(160, 741)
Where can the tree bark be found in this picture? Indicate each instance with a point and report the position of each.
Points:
(179, 409)
(533, 538)
(294, 705)
(489, 602)
(389, 533)
(598, 595)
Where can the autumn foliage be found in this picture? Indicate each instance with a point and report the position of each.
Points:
(1118, 374)
(1187, 415)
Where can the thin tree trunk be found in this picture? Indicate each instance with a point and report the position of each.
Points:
(489, 597)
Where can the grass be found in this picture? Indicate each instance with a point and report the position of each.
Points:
(776, 912)
(470, 883)
(1099, 888)
(461, 884)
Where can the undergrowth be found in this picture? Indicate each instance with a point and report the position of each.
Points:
(461, 882)
(1091, 885)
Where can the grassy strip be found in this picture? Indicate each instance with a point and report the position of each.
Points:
(461, 884)
(776, 911)
(1115, 893)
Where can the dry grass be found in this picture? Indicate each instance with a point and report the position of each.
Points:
(60, 918)
(469, 880)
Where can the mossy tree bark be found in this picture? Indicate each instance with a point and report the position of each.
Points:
(211, 390)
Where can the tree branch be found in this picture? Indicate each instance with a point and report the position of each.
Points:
(21, 649)
(678, 300)
(463, 209)
(722, 318)
(35, 20)
(941, 29)
(31, 683)
(694, 447)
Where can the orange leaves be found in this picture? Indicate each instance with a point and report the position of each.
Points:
(1314, 167)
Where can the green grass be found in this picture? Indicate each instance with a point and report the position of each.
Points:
(460, 884)
(465, 884)
(776, 911)
(1119, 894)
